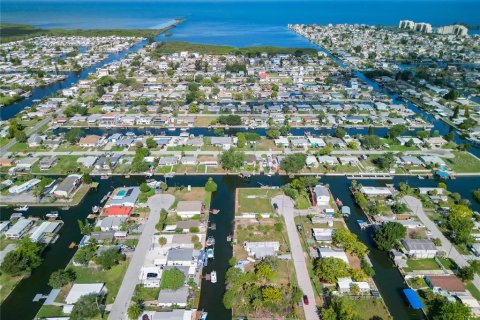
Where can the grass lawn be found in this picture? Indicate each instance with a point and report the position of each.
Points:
(422, 264)
(112, 278)
(182, 148)
(50, 312)
(8, 283)
(473, 290)
(4, 242)
(369, 308)
(204, 121)
(64, 164)
(302, 202)
(448, 263)
(463, 162)
(196, 194)
(256, 200)
(146, 294)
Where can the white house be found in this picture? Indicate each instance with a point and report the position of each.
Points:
(419, 248)
(322, 195)
(188, 209)
(331, 253)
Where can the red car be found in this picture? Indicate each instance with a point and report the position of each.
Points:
(305, 299)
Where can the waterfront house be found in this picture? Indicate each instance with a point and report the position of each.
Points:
(167, 161)
(345, 285)
(26, 163)
(188, 209)
(381, 192)
(47, 162)
(169, 298)
(182, 257)
(126, 197)
(89, 141)
(46, 229)
(26, 186)
(19, 229)
(445, 284)
(329, 160)
(322, 195)
(175, 314)
(419, 248)
(82, 289)
(87, 161)
(322, 234)
(332, 253)
(68, 186)
(189, 160)
(263, 249)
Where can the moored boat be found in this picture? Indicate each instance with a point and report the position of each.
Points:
(213, 277)
(22, 208)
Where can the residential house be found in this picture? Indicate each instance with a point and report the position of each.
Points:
(68, 186)
(419, 248)
(261, 250)
(188, 209)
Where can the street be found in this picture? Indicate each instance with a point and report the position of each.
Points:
(416, 206)
(286, 208)
(156, 203)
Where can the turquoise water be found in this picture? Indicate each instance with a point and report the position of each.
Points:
(237, 23)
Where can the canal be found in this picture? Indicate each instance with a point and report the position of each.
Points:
(19, 304)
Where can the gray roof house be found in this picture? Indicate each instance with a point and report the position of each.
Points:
(68, 185)
(180, 257)
(261, 250)
(419, 248)
(168, 297)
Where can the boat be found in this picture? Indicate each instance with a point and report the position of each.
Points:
(214, 211)
(213, 276)
(210, 253)
(95, 209)
(52, 214)
(106, 197)
(72, 245)
(23, 208)
(339, 202)
(169, 175)
(204, 315)
(210, 241)
(213, 226)
(362, 224)
(65, 208)
(229, 238)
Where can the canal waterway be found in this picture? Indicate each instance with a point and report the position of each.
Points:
(19, 304)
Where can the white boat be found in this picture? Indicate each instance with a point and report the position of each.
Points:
(23, 208)
(210, 241)
(204, 315)
(95, 209)
(213, 276)
(210, 253)
(52, 214)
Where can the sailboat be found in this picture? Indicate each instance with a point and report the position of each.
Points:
(23, 208)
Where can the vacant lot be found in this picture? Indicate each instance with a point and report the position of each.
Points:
(256, 200)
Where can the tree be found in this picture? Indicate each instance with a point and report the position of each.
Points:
(460, 223)
(85, 308)
(388, 234)
(210, 186)
(162, 241)
(241, 140)
(232, 159)
(456, 111)
(339, 133)
(23, 259)
(231, 120)
(340, 308)
(371, 142)
(273, 133)
(73, 135)
(144, 188)
(467, 273)
(386, 161)
(349, 242)
(264, 271)
(271, 294)
(445, 310)
(293, 163)
(61, 278)
(396, 130)
(21, 136)
(172, 279)
(84, 255)
(452, 95)
(330, 269)
(134, 311)
(151, 143)
(87, 178)
(108, 258)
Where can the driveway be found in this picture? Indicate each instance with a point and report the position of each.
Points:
(285, 207)
(156, 203)
(416, 206)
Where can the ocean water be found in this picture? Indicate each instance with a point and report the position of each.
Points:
(237, 23)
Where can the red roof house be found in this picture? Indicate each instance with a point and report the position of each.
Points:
(117, 211)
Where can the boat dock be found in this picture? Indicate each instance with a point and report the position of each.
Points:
(370, 176)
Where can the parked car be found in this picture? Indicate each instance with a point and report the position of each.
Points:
(305, 299)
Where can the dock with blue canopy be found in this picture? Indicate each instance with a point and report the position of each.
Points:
(413, 299)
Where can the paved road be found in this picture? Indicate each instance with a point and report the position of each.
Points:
(416, 206)
(30, 131)
(286, 208)
(124, 296)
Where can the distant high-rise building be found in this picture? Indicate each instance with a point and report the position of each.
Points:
(406, 24)
(455, 29)
(423, 27)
